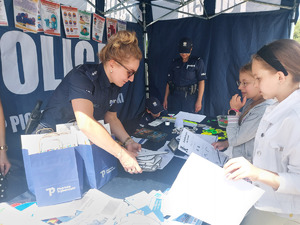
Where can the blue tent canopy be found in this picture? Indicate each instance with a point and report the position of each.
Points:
(33, 64)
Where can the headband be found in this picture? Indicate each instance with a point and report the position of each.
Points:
(266, 54)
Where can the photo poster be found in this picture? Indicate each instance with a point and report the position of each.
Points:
(98, 27)
(122, 25)
(70, 21)
(39, 19)
(111, 27)
(84, 25)
(26, 15)
(50, 15)
(3, 17)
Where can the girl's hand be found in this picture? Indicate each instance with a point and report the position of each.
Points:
(129, 163)
(220, 145)
(236, 102)
(239, 168)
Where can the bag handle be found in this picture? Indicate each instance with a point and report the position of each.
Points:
(53, 134)
(46, 129)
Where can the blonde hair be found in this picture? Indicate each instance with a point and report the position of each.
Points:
(247, 68)
(120, 47)
(287, 52)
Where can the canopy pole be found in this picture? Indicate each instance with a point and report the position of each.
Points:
(145, 37)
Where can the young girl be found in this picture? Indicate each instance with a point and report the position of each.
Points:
(243, 125)
(276, 156)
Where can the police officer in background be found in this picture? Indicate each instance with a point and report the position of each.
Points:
(185, 86)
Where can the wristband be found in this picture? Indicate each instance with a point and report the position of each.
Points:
(126, 140)
(3, 148)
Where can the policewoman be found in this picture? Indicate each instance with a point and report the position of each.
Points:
(88, 93)
(185, 83)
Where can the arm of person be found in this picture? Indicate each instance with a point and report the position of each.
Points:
(240, 134)
(239, 168)
(220, 145)
(83, 110)
(4, 162)
(167, 92)
(118, 129)
(198, 105)
(286, 178)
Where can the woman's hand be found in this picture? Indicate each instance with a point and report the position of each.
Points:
(239, 168)
(198, 106)
(220, 145)
(236, 102)
(129, 163)
(133, 147)
(165, 104)
(4, 163)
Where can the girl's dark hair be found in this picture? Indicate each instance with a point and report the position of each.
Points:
(287, 51)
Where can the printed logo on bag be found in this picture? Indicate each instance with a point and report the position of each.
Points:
(59, 189)
(109, 170)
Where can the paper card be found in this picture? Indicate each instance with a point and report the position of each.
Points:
(190, 116)
(193, 143)
(202, 190)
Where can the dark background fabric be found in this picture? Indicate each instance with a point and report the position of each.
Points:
(225, 43)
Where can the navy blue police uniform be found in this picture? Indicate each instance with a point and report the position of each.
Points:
(183, 80)
(87, 81)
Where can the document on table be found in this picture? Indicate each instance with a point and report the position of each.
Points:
(201, 190)
(190, 142)
(165, 158)
(190, 116)
(82, 211)
(155, 123)
(11, 216)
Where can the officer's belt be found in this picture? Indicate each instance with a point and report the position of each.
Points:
(185, 88)
(182, 88)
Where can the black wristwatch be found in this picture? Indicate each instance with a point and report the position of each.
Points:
(233, 112)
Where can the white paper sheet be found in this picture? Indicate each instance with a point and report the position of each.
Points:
(107, 208)
(190, 116)
(156, 123)
(11, 216)
(202, 191)
(190, 142)
(146, 152)
(166, 158)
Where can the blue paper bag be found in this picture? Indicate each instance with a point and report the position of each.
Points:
(100, 166)
(55, 176)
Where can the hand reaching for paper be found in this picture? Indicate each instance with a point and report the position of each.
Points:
(133, 147)
(239, 168)
(129, 163)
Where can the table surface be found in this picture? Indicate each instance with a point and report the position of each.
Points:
(125, 184)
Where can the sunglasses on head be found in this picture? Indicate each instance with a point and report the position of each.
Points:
(129, 72)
